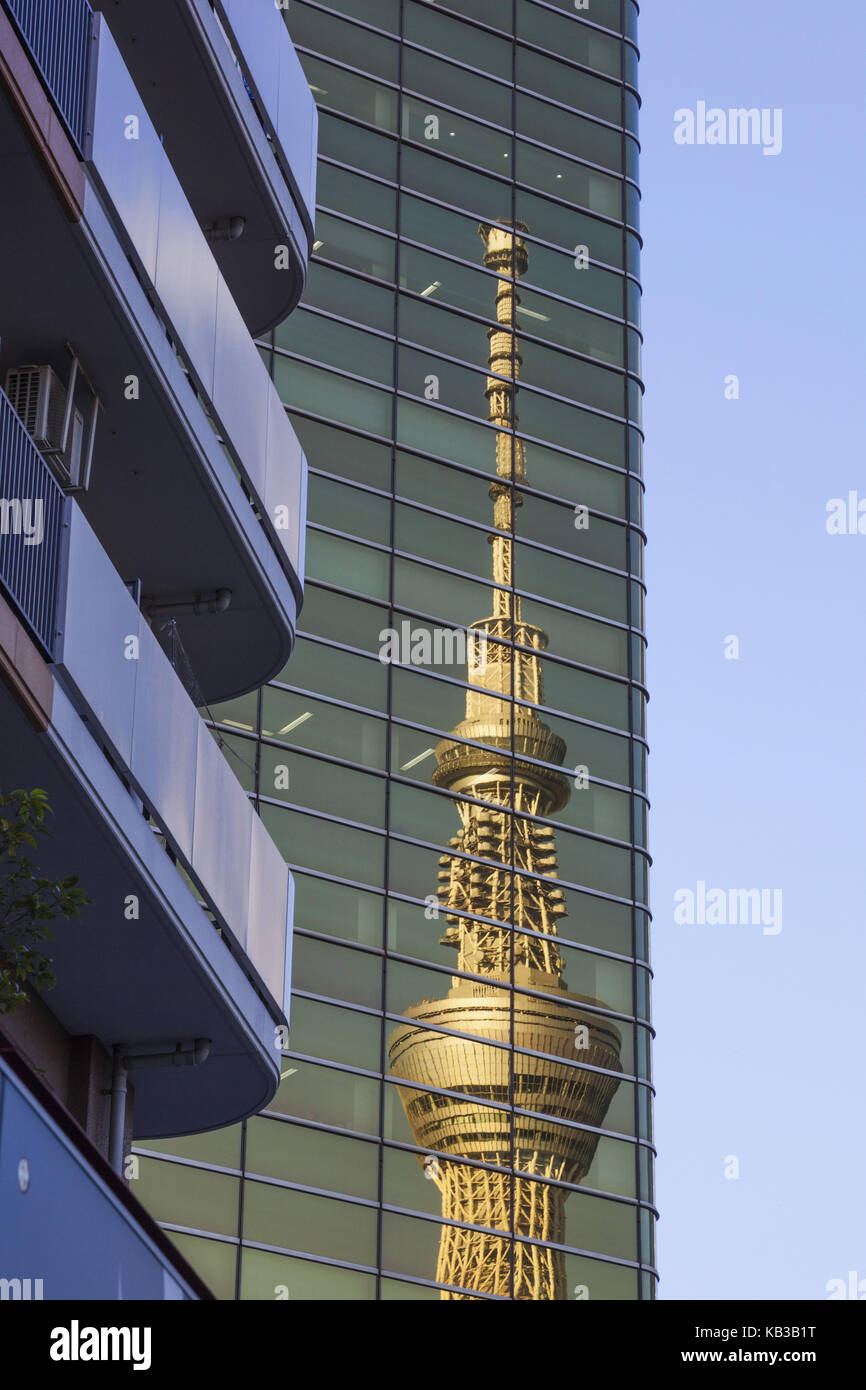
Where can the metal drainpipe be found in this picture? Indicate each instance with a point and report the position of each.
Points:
(123, 1064)
(117, 1119)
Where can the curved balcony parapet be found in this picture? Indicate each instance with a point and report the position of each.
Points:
(169, 250)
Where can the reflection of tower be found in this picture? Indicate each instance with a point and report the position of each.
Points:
(510, 937)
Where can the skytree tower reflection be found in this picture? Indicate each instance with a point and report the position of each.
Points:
(501, 901)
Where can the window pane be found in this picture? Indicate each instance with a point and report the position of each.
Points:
(337, 344)
(346, 295)
(544, 74)
(338, 561)
(337, 972)
(566, 35)
(349, 455)
(452, 85)
(336, 790)
(307, 842)
(353, 510)
(311, 724)
(343, 619)
(335, 1034)
(332, 908)
(317, 1225)
(311, 1158)
(352, 144)
(453, 39)
(338, 39)
(328, 1096)
(339, 90)
(220, 1147)
(214, 1260)
(444, 132)
(265, 1275)
(337, 398)
(350, 193)
(184, 1196)
(315, 666)
(572, 134)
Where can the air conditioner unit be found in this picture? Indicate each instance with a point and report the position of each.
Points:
(41, 401)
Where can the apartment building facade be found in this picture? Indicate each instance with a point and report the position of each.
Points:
(159, 184)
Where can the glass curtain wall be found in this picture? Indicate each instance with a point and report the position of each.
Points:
(454, 760)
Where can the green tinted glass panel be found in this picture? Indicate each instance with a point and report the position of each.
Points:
(190, 1197)
(213, 1260)
(309, 842)
(335, 910)
(355, 196)
(314, 1225)
(337, 972)
(423, 25)
(311, 1157)
(266, 1276)
(333, 37)
(335, 1034)
(328, 1096)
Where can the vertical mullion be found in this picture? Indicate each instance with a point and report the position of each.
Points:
(512, 780)
(389, 687)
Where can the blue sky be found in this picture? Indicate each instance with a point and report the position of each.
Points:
(752, 266)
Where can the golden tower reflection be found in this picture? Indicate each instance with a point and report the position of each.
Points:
(518, 1005)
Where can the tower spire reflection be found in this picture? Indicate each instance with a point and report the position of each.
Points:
(517, 1038)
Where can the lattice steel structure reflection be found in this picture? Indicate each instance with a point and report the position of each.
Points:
(499, 895)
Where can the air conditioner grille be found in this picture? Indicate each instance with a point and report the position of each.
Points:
(39, 399)
(23, 389)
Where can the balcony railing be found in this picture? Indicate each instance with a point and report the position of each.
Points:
(140, 712)
(31, 507)
(175, 265)
(57, 33)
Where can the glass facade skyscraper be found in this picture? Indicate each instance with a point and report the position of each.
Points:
(454, 760)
